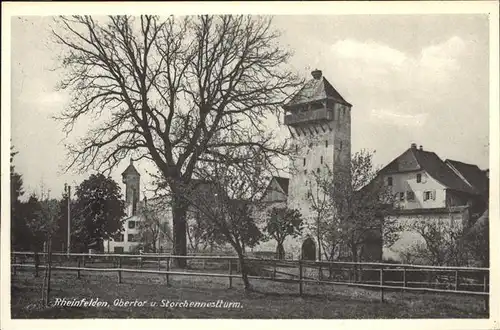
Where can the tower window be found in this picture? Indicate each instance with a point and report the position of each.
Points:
(304, 162)
(326, 143)
(419, 177)
(296, 148)
(340, 145)
(318, 170)
(305, 171)
(321, 159)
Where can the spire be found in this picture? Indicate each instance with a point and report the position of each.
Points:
(130, 169)
(317, 74)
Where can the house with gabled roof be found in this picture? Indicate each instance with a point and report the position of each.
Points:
(427, 187)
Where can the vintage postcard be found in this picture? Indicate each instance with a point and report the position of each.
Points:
(199, 164)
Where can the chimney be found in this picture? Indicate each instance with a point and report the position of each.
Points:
(421, 148)
(317, 74)
(414, 146)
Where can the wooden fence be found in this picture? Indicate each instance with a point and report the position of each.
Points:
(380, 276)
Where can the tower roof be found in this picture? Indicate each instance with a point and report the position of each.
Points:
(130, 169)
(316, 89)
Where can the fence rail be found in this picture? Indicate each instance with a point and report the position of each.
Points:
(471, 281)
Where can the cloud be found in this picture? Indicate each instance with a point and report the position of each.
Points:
(369, 52)
(400, 119)
(392, 68)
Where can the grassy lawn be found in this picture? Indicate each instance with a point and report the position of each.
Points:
(269, 300)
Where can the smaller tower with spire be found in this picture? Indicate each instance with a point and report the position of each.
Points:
(131, 178)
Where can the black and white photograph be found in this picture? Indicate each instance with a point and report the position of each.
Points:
(321, 163)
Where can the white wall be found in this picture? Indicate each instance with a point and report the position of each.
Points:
(409, 238)
(404, 182)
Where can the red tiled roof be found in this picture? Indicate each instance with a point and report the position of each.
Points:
(130, 170)
(472, 173)
(316, 90)
(415, 159)
(283, 182)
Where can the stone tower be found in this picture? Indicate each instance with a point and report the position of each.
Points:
(131, 178)
(319, 120)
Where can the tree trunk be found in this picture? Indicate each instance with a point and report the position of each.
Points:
(243, 269)
(179, 212)
(354, 258)
(280, 251)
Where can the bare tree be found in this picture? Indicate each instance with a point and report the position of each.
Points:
(164, 87)
(356, 212)
(227, 200)
(44, 224)
(152, 227)
(323, 216)
(442, 241)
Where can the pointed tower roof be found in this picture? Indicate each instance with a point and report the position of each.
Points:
(130, 169)
(316, 89)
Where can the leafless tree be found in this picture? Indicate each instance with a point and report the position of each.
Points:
(44, 224)
(354, 207)
(152, 227)
(162, 88)
(227, 200)
(441, 244)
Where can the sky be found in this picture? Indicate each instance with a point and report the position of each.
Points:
(410, 78)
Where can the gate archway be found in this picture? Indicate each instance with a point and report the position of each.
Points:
(309, 249)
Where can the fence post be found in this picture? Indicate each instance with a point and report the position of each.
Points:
(230, 273)
(119, 271)
(274, 271)
(300, 277)
(37, 263)
(382, 284)
(405, 281)
(168, 269)
(320, 272)
(487, 297)
(456, 280)
(79, 263)
(13, 263)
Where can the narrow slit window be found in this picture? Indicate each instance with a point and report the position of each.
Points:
(321, 159)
